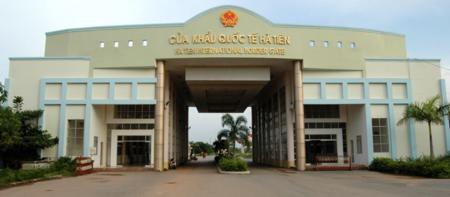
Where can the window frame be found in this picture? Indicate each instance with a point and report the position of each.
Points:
(359, 144)
(75, 137)
(380, 135)
(134, 111)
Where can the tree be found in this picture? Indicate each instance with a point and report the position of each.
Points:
(199, 147)
(17, 103)
(220, 147)
(429, 111)
(9, 124)
(3, 94)
(235, 130)
(21, 138)
(246, 144)
(9, 129)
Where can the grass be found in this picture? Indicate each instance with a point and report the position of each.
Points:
(62, 167)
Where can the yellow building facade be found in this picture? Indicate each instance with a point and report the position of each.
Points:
(120, 94)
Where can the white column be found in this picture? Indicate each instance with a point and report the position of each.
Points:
(159, 116)
(289, 120)
(172, 105)
(299, 116)
(166, 129)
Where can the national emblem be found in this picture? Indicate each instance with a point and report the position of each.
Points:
(229, 19)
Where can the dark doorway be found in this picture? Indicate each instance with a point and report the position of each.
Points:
(320, 148)
(133, 150)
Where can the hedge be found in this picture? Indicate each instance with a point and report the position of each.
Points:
(64, 166)
(232, 164)
(423, 166)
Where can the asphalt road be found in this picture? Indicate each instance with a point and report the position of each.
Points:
(200, 179)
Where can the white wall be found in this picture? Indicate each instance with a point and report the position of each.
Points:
(424, 76)
(356, 125)
(25, 76)
(332, 74)
(355, 90)
(311, 91)
(403, 147)
(425, 84)
(387, 69)
(98, 128)
(123, 73)
(51, 124)
(76, 91)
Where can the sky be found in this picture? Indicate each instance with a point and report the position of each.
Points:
(426, 24)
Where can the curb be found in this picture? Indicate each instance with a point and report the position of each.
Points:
(233, 172)
(31, 181)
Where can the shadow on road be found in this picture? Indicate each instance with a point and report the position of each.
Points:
(208, 164)
(201, 163)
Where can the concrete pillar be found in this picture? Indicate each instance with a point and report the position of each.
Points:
(255, 134)
(299, 116)
(289, 120)
(172, 112)
(159, 116)
(167, 106)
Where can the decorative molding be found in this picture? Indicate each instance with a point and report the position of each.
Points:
(88, 101)
(50, 58)
(365, 82)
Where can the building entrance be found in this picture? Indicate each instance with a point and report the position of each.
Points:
(324, 143)
(227, 85)
(133, 150)
(321, 147)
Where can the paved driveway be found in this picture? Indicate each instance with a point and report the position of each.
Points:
(201, 179)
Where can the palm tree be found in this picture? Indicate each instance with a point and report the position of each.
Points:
(235, 129)
(429, 111)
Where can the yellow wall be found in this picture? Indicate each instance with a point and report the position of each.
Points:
(86, 41)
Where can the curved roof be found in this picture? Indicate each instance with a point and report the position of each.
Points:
(259, 40)
(137, 26)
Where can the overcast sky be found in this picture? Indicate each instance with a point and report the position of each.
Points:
(426, 24)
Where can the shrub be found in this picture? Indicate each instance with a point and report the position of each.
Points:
(7, 175)
(63, 166)
(218, 158)
(383, 165)
(233, 164)
(423, 166)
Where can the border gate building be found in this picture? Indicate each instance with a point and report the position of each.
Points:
(120, 94)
